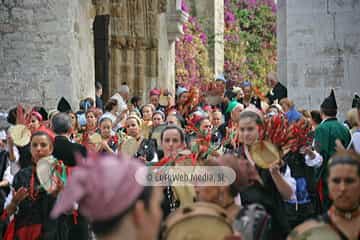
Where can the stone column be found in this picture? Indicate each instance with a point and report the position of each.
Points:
(319, 50)
(171, 19)
(211, 15)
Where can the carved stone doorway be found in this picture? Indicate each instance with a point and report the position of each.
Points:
(101, 43)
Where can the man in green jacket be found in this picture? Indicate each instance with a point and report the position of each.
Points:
(326, 134)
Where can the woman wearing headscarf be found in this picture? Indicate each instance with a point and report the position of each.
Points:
(115, 203)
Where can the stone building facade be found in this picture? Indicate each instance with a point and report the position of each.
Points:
(319, 49)
(54, 48)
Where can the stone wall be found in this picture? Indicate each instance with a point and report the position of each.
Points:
(46, 51)
(211, 15)
(319, 49)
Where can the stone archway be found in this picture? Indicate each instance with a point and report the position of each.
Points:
(133, 43)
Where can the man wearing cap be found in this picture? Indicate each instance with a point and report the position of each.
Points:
(278, 91)
(113, 200)
(122, 97)
(326, 134)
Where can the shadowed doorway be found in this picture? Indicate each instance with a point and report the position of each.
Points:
(101, 43)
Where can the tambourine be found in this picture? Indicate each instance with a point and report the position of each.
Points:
(156, 134)
(145, 130)
(130, 146)
(46, 171)
(95, 138)
(264, 154)
(198, 221)
(313, 230)
(164, 100)
(20, 134)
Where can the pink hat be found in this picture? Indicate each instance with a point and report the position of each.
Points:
(155, 91)
(37, 115)
(103, 186)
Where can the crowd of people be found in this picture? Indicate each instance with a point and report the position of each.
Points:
(69, 174)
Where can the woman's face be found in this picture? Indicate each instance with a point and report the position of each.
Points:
(247, 92)
(205, 125)
(40, 147)
(90, 119)
(132, 127)
(172, 120)
(73, 120)
(105, 128)
(34, 124)
(157, 120)
(154, 100)
(248, 130)
(171, 142)
(183, 98)
(147, 113)
(344, 185)
(216, 119)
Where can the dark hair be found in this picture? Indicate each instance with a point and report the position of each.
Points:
(11, 118)
(134, 100)
(104, 119)
(252, 115)
(316, 116)
(98, 85)
(111, 103)
(158, 112)
(171, 127)
(329, 112)
(346, 158)
(102, 228)
(61, 123)
(39, 134)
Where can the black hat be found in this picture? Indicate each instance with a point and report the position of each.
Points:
(64, 106)
(355, 101)
(42, 112)
(230, 94)
(329, 103)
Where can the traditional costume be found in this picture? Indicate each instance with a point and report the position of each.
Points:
(32, 221)
(326, 134)
(277, 93)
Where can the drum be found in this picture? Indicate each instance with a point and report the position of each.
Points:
(313, 230)
(46, 172)
(198, 221)
(264, 154)
(156, 134)
(20, 134)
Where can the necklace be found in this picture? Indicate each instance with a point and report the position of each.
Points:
(348, 215)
